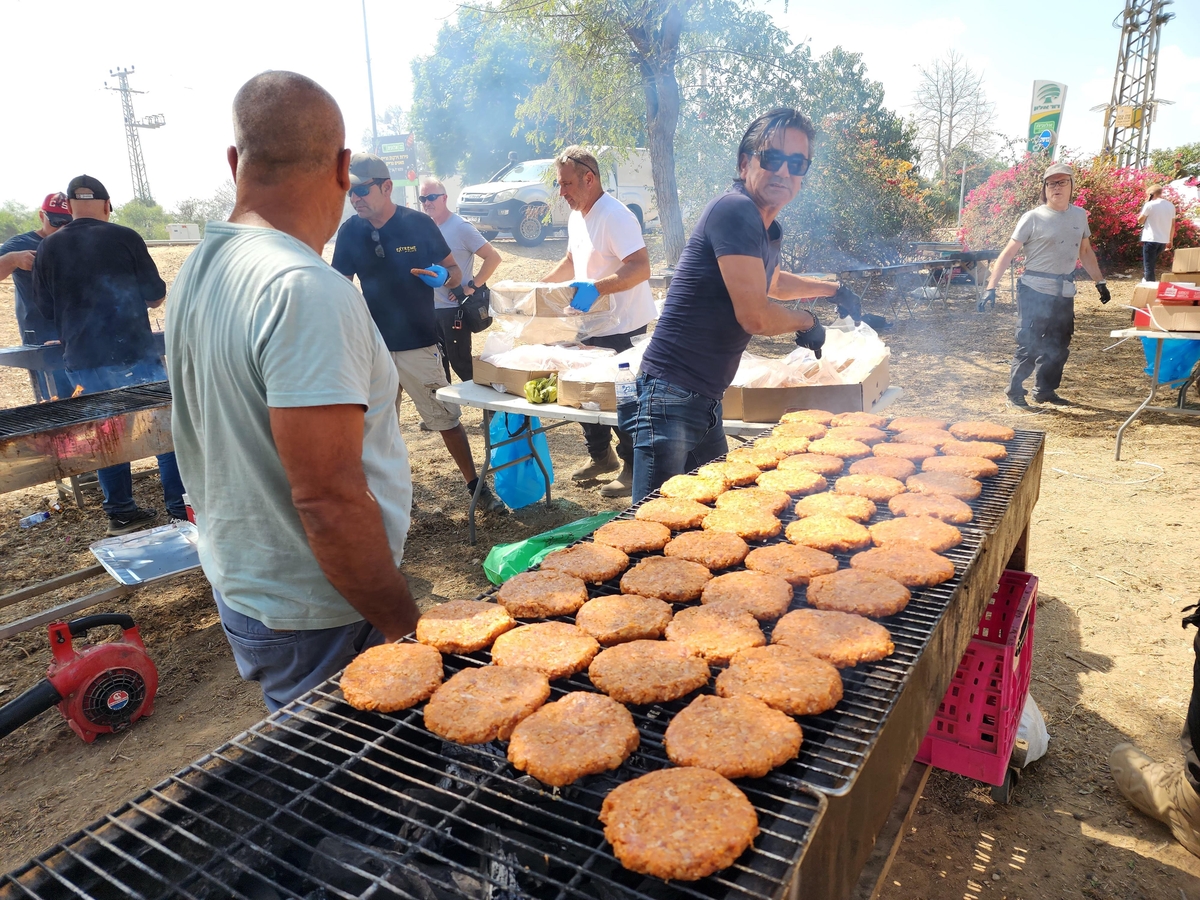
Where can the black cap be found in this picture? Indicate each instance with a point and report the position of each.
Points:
(86, 184)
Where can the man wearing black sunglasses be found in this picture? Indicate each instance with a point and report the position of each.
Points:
(400, 257)
(721, 295)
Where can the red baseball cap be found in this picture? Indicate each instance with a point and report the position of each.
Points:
(56, 204)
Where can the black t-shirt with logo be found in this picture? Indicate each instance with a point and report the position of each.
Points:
(93, 279)
(400, 303)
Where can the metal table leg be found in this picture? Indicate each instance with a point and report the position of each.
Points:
(1149, 399)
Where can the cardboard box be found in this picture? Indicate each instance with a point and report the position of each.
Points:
(578, 393)
(769, 404)
(1186, 259)
(1173, 294)
(512, 381)
(1170, 317)
(1183, 277)
(548, 300)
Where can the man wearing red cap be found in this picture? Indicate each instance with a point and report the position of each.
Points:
(16, 259)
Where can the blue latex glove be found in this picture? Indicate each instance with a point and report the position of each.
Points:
(585, 295)
(436, 279)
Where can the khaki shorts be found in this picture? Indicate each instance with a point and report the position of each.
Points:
(421, 374)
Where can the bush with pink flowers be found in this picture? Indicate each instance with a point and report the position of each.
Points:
(1113, 197)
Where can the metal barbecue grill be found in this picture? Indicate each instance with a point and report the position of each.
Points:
(321, 800)
(54, 440)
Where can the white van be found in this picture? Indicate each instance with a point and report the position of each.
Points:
(521, 198)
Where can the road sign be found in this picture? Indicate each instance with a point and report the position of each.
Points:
(1045, 115)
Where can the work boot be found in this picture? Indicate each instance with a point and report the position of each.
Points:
(488, 502)
(1018, 400)
(141, 517)
(622, 485)
(597, 467)
(1051, 398)
(1160, 790)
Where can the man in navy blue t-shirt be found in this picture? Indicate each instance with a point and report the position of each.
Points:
(16, 259)
(400, 256)
(718, 298)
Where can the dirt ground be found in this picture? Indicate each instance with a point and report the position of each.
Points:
(1112, 543)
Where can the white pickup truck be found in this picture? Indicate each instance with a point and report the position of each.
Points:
(521, 198)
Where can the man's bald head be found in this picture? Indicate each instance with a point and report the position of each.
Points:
(285, 124)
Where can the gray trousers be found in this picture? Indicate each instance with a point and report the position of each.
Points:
(1044, 330)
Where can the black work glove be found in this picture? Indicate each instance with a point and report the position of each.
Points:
(813, 339)
(1105, 296)
(848, 304)
(458, 293)
(989, 296)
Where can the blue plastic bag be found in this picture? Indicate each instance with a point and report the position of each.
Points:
(1178, 358)
(522, 484)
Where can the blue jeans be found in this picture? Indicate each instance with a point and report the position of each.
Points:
(117, 481)
(287, 664)
(674, 430)
(1150, 253)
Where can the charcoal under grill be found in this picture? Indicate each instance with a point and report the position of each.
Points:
(54, 440)
(321, 800)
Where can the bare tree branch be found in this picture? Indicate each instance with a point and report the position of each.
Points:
(952, 111)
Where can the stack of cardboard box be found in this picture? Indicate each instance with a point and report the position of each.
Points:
(1171, 316)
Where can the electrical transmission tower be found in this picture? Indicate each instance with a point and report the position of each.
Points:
(1133, 108)
(133, 140)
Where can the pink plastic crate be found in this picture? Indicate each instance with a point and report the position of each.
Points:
(975, 726)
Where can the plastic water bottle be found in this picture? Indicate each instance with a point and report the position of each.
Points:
(36, 518)
(626, 385)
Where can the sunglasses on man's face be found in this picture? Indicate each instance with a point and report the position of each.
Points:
(361, 190)
(429, 198)
(772, 158)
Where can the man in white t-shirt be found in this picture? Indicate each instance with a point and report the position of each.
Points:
(1157, 219)
(465, 244)
(284, 414)
(605, 255)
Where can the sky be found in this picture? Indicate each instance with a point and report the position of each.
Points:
(190, 60)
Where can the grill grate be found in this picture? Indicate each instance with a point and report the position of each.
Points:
(40, 417)
(322, 801)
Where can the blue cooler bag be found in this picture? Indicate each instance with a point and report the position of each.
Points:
(522, 484)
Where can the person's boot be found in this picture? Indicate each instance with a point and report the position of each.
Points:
(1160, 790)
(597, 467)
(622, 485)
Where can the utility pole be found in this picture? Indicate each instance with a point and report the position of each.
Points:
(133, 140)
(370, 82)
(1133, 107)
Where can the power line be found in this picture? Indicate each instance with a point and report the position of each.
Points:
(133, 139)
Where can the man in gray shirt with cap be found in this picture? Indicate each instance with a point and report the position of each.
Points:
(1054, 236)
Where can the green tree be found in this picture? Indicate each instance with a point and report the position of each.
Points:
(17, 218)
(148, 220)
(466, 94)
(1177, 162)
(612, 79)
(209, 209)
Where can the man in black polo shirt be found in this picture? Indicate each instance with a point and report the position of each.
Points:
(95, 280)
(400, 256)
(721, 295)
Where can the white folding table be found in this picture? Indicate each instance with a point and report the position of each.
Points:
(491, 401)
(1178, 409)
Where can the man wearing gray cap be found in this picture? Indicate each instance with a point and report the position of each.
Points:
(400, 256)
(1054, 237)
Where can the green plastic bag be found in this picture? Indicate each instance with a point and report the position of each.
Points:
(506, 560)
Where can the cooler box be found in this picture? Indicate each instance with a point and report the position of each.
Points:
(975, 726)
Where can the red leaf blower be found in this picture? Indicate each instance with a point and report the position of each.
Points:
(100, 689)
